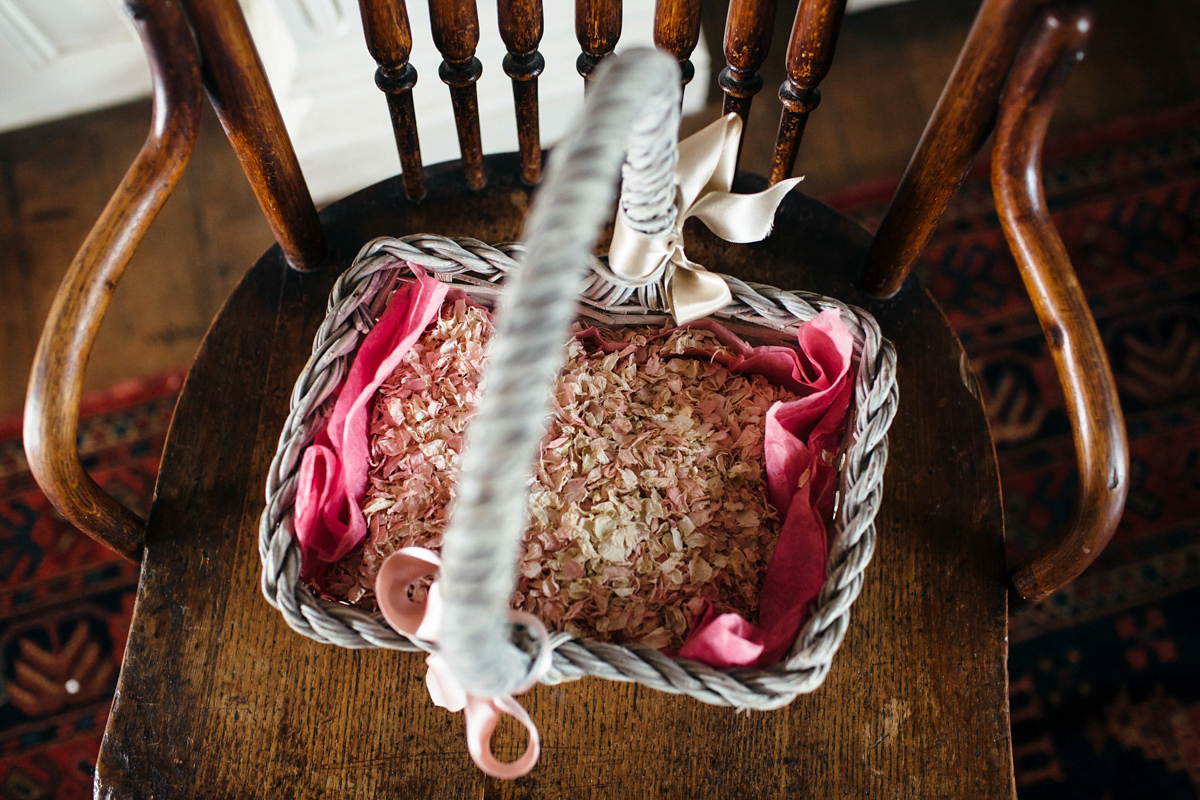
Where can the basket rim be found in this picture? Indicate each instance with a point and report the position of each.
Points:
(356, 300)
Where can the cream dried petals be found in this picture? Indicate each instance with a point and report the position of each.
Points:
(648, 502)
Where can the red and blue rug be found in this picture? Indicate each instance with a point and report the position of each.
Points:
(66, 601)
(1105, 676)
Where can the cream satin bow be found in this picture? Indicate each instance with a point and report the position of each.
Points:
(703, 177)
(422, 621)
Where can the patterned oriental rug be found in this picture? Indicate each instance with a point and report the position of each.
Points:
(1104, 676)
(66, 601)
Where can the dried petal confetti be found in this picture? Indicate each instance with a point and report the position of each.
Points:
(649, 505)
(643, 523)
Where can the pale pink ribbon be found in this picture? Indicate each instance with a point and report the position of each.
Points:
(423, 621)
(703, 177)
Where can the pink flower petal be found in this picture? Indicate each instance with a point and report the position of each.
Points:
(651, 510)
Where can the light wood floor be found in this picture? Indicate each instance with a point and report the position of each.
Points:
(890, 67)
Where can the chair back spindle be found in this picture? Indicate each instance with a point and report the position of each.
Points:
(238, 88)
(748, 31)
(961, 123)
(389, 40)
(809, 54)
(521, 29)
(455, 25)
(597, 27)
(677, 30)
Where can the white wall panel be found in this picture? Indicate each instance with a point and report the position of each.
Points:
(69, 56)
(63, 57)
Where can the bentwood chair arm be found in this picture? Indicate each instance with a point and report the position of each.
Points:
(1054, 45)
(52, 404)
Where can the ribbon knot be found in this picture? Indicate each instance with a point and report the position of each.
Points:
(703, 178)
(398, 573)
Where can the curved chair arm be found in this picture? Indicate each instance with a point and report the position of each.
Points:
(56, 382)
(1055, 43)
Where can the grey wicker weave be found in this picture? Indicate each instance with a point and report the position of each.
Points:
(625, 122)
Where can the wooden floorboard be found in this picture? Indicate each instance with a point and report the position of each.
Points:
(889, 70)
(57, 178)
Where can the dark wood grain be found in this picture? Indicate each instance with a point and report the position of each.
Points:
(51, 417)
(809, 56)
(915, 704)
(677, 30)
(455, 25)
(1055, 43)
(748, 30)
(521, 29)
(598, 28)
(237, 86)
(961, 123)
(389, 40)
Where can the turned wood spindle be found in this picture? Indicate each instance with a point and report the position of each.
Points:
(521, 29)
(748, 31)
(676, 30)
(810, 52)
(597, 27)
(455, 26)
(389, 40)
(237, 86)
(960, 124)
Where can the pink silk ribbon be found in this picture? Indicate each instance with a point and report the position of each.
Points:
(333, 474)
(398, 573)
(801, 438)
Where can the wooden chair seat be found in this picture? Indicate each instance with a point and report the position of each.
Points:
(219, 697)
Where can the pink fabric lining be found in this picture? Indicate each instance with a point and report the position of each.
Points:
(800, 440)
(333, 474)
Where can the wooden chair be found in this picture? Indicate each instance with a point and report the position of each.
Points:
(217, 697)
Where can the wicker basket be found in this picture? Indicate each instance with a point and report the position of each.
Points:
(582, 170)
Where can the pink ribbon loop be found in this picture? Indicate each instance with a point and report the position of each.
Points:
(422, 620)
(482, 715)
(333, 472)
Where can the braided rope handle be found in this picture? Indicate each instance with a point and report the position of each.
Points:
(632, 109)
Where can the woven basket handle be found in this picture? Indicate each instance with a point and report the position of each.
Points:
(632, 108)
